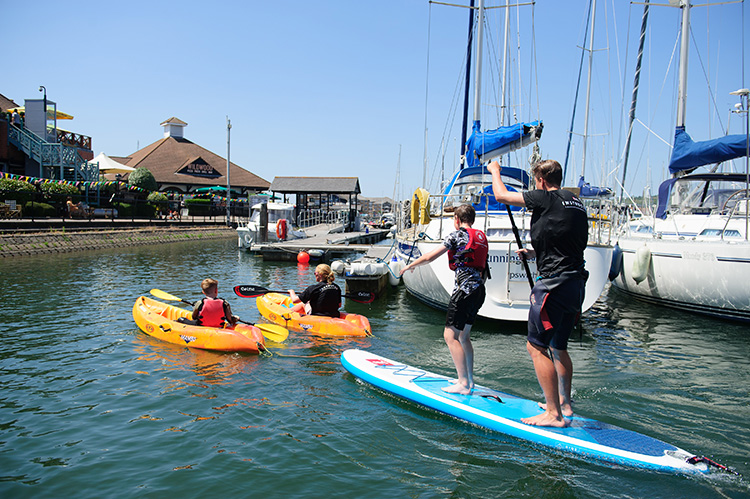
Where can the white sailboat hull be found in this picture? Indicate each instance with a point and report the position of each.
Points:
(706, 274)
(508, 290)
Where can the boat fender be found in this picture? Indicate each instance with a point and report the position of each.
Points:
(281, 229)
(420, 206)
(641, 263)
(338, 266)
(394, 276)
(616, 266)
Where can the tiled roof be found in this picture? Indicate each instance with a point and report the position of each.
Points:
(175, 160)
(6, 103)
(323, 185)
(174, 121)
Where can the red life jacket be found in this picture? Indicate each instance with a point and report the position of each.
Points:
(474, 254)
(211, 312)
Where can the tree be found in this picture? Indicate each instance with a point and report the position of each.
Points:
(143, 178)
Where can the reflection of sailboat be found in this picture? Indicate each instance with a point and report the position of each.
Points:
(508, 289)
(693, 253)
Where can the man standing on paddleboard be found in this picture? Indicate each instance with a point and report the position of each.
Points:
(559, 234)
(467, 256)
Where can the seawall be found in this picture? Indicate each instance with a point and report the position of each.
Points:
(23, 243)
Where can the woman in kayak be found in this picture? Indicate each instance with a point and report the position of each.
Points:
(322, 298)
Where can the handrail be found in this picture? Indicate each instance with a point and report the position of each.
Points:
(49, 154)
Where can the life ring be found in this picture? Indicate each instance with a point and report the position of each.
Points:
(249, 240)
(281, 229)
(420, 207)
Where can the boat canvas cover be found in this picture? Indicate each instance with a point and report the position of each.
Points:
(589, 191)
(688, 154)
(493, 143)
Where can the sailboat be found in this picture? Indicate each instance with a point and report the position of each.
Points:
(693, 253)
(432, 218)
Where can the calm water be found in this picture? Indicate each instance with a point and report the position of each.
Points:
(91, 407)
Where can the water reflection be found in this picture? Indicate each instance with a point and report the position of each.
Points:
(209, 368)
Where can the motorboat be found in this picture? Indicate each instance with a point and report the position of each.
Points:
(281, 226)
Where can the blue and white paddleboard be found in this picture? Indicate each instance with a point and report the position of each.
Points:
(502, 412)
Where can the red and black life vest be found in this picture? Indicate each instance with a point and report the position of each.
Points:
(211, 312)
(474, 254)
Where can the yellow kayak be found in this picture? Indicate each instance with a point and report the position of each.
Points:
(276, 308)
(159, 320)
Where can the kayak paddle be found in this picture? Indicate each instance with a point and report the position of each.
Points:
(272, 332)
(250, 291)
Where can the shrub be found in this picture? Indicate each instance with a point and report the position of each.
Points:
(157, 197)
(54, 189)
(19, 190)
(125, 210)
(33, 209)
(143, 178)
(198, 206)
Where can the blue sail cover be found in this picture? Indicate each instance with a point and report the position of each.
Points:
(493, 143)
(687, 154)
(589, 191)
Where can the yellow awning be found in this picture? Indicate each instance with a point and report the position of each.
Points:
(60, 114)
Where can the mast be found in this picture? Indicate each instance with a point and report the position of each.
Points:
(636, 84)
(588, 89)
(465, 122)
(575, 100)
(505, 62)
(478, 64)
(684, 45)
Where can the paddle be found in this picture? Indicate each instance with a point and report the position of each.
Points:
(270, 331)
(520, 246)
(250, 291)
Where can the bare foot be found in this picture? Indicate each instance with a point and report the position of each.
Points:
(545, 419)
(457, 389)
(567, 410)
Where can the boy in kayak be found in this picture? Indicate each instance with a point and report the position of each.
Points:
(322, 298)
(213, 311)
(559, 234)
(467, 256)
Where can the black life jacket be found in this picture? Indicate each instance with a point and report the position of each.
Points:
(474, 254)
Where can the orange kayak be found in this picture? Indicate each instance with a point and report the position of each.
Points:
(276, 308)
(159, 320)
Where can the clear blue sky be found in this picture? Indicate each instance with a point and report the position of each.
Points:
(335, 88)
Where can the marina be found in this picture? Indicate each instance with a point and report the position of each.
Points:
(87, 394)
(169, 330)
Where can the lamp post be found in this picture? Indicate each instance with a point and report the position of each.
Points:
(42, 88)
(229, 187)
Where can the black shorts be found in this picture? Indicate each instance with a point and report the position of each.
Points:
(555, 312)
(463, 308)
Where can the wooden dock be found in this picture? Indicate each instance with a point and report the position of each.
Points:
(332, 246)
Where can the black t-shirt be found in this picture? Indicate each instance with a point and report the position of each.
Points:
(559, 230)
(324, 298)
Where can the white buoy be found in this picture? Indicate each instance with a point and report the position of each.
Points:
(641, 263)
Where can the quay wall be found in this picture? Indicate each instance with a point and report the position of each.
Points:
(21, 243)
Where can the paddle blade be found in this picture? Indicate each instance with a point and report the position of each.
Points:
(273, 332)
(163, 295)
(250, 291)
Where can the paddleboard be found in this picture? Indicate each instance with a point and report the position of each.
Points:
(502, 412)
